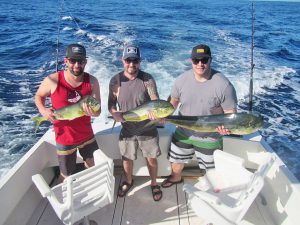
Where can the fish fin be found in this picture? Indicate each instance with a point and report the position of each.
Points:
(38, 120)
(113, 126)
(150, 123)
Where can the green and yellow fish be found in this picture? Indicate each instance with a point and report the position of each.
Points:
(237, 123)
(159, 108)
(71, 112)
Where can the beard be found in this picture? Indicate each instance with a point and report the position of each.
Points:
(77, 73)
(132, 70)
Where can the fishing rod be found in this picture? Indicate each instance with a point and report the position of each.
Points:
(252, 63)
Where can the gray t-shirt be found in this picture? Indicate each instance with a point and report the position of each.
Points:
(132, 94)
(203, 98)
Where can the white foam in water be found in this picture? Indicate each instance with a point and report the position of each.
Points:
(295, 82)
(81, 32)
(67, 28)
(103, 71)
(24, 88)
(14, 143)
(16, 128)
(67, 18)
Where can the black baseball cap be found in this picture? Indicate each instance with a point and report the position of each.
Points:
(200, 51)
(76, 51)
(131, 51)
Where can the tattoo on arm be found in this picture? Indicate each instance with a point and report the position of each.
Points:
(151, 89)
(112, 96)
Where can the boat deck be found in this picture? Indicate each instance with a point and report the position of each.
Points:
(139, 208)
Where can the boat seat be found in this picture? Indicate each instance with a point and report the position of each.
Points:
(82, 193)
(225, 194)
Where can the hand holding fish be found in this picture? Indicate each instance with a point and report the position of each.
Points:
(222, 130)
(151, 115)
(89, 111)
(48, 114)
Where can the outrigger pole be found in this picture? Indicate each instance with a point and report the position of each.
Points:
(57, 51)
(252, 64)
(62, 8)
(58, 33)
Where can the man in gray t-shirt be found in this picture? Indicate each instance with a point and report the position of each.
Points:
(199, 91)
(129, 89)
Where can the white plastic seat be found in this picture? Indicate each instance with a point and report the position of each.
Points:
(229, 191)
(82, 193)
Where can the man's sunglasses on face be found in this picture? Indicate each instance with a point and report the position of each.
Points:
(203, 60)
(79, 61)
(132, 60)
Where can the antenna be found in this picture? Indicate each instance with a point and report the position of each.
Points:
(252, 64)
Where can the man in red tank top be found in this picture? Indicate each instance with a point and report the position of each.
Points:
(65, 88)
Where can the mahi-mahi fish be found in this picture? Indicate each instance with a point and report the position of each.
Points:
(237, 123)
(71, 112)
(159, 108)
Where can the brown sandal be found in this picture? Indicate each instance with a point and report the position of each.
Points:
(124, 188)
(156, 192)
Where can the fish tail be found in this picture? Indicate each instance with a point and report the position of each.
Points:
(38, 120)
(113, 126)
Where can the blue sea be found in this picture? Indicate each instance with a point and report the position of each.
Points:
(35, 33)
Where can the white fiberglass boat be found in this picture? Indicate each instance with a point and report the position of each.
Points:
(22, 203)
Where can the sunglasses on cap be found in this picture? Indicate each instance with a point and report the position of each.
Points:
(79, 61)
(132, 60)
(203, 60)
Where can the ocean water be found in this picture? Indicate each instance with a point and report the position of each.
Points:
(166, 31)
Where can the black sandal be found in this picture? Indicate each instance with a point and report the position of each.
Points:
(124, 188)
(156, 192)
(168, 183)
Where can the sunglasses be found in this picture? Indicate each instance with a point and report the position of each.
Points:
(203, 60)
(79, 61)
(134, 61)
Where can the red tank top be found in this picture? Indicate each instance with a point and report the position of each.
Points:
(71, 132)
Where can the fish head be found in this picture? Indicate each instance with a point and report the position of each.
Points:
(260, 123)
(254, 122)
(93, 103)
(164, 109)
(244, 123)
(257, 121)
